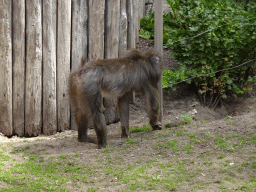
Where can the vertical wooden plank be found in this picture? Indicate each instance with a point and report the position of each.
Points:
(6, 67)
(111, 44)
(49, 67)
(63, 64)
(130, 30)
(96, 30)
(122, 28)
(149, 4)
(141, 9)
(18, 67)
(136, 20)
(159, 43)
(79, 31)
(112, 28)
(79, 37)
(33, 100)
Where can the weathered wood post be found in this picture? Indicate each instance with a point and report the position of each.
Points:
(131, 41)
(63, 64)
(33, 98)
(159, 43)
(136, 20)
(6, 67)
(141, 10)
(18, 67)
(123, 24)
(96, 30)
(49, 67)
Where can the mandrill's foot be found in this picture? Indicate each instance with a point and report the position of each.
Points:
(100, 146)
(125, 133)
(82, 139)
(86, 139)
(157, 127)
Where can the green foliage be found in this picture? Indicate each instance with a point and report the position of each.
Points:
(147, 26)
(207, 36)
(172, 76)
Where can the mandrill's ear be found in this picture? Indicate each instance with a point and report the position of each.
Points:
(154, 59)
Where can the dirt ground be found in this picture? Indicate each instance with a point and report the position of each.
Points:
(234, 116)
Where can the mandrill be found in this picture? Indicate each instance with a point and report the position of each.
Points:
(118, 78)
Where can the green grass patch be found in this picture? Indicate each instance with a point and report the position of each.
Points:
(144, 128)
(3, 157)
(20, 149)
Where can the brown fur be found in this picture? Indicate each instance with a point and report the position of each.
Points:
(114, 78)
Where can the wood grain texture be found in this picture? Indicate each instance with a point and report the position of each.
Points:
(159, 43)
(136, 20)
(112, 17)
(131, 41)
(33, 100)
(141, 9)
(63, 64)
(6, 67)
(123, 24)
(96, 30)
(18, 67)
(49, 67)
(79, 31)
(79, 38)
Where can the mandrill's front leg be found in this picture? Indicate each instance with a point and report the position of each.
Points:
(123, 109)
(153, 103)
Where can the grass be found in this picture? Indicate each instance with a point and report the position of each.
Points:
(173, 160)
(186, 118)
(144, 128)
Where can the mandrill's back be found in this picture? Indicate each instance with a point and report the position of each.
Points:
(133, 71)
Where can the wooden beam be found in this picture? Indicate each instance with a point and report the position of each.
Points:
(49, 67)
(131, 43)
(96, 30)
(33, 100)
(6, 68)
(63, 64)
(159, 43)
(122, 28)
(18, 60)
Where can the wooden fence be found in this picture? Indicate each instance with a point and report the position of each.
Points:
(41, 40)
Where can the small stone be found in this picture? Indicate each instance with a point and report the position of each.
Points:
(120, 142)
(194, 104)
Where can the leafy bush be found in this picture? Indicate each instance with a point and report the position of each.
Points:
(206, 37)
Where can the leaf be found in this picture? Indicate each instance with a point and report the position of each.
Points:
(230, 41)
(229, 81)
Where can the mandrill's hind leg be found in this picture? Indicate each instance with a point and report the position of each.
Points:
(82, 122)
(123, 109)
(99, 122)
(100, 129)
